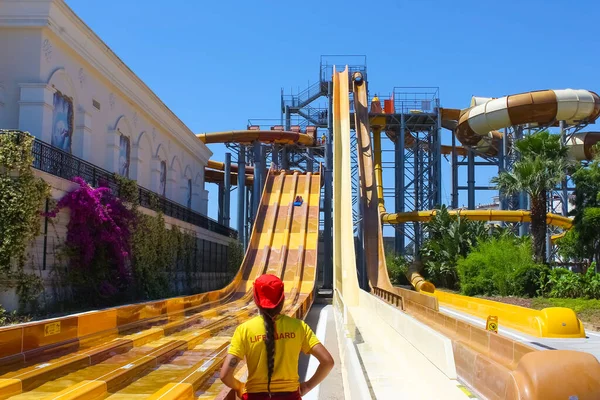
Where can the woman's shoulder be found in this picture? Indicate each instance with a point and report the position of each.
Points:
(251, 323)
(291, 321)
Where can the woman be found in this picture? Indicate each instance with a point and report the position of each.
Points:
(271, 343)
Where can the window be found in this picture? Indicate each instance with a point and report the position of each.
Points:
(162, 185)
(62, 122)
(124, 156)
(189, 193)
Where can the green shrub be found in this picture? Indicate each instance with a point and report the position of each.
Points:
(10, 318)
(563, 283)
(235, 257)
(450, 237)
(397, 267)
(500, 266)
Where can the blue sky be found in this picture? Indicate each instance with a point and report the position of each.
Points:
(218, 64)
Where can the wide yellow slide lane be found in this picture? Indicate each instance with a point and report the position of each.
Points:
(169, 349)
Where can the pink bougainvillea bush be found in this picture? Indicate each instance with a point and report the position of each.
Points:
(99, 237)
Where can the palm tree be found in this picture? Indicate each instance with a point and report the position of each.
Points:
(541, 168)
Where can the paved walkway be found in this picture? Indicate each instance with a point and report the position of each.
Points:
(321, 319)
(395, 369)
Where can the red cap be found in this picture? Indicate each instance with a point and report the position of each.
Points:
(268, 291)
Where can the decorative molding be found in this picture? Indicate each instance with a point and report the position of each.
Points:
(135, 119)
(47, 50)
(56, 16)
(161, 114)
(81, 77)
(111, 101)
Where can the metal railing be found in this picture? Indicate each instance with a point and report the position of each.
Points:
(56, 162)
(389, 297)
(304, 97)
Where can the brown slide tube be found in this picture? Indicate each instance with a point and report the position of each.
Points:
(249, 136)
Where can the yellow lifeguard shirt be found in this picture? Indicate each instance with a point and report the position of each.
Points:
(291, 336)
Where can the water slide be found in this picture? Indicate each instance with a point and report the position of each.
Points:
(478, 126)
(169, 349)
(214, 171)
(494, 366)
(251, 135)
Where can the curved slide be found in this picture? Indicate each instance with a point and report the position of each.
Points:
(169, 349)
(249, 136)
(478, 125)
(213, 172)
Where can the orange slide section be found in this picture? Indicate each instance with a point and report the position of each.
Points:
(249, 136)
(213, 172)
(169, 349)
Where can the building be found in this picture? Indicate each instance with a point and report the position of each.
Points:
(61, 83)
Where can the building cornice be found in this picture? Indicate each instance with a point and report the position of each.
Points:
(54, 15)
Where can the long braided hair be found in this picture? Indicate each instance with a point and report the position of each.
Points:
(268, 316)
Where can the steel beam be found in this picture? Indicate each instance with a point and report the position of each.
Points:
(471, 181)
(221, 202)
(309, 162)
(502, 167)
(275, 155)
(258, 161)
(565, 190)
(241, 213)
(248, 219)
(399, 187)
(437, 167)
(454, 166)
(227, 190)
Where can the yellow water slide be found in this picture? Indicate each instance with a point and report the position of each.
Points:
(169, 349)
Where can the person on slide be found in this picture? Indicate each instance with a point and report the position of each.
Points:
(271, 343)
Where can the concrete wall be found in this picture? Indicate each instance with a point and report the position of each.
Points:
(46, 48)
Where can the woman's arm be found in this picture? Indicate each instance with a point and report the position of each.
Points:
(227, 377)
(325, 366)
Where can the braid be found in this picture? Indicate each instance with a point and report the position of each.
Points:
(269, 320)
(270, 343)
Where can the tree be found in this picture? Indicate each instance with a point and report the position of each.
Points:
(449, 238)
(583, 240)
(541, 168)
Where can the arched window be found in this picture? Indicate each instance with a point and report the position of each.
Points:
(124, 156)
(162, 183)
(62, 122)
(189, 193)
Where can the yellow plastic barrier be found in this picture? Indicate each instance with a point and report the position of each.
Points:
(554, 322)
